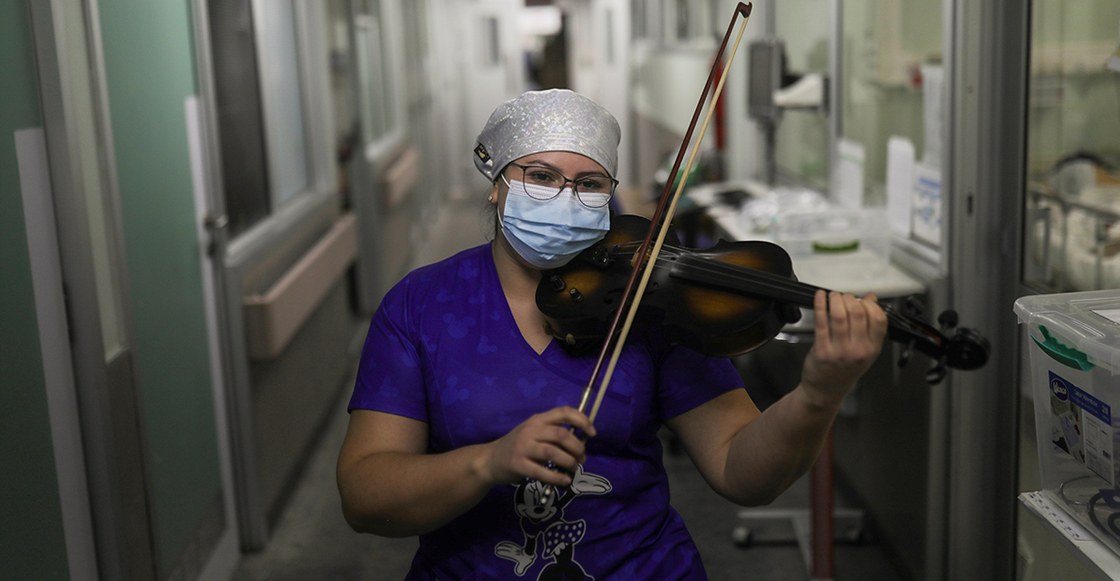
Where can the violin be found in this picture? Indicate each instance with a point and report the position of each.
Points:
(721, 301)
(576, 296)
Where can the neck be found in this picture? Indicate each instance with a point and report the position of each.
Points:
(519, 281)
(519, 285)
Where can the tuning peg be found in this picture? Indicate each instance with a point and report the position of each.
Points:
(904, 356)
(948, 319)
(601, 257)
(936, 374)
(914, 306)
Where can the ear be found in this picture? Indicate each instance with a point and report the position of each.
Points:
(494, 191)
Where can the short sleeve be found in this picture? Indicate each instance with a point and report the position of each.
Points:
(688, 379)
(390, 377)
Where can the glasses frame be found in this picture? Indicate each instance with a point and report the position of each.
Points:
(567, 180)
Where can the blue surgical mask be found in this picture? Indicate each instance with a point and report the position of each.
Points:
(549, 233)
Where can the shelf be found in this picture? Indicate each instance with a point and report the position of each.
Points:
(1100, 559)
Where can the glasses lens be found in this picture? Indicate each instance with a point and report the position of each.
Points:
(550, 182)
(594, 184)
(594, 199)
(595, 191)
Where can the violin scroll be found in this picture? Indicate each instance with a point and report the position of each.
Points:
(964, 349)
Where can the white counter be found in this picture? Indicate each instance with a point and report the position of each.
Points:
(857, 272)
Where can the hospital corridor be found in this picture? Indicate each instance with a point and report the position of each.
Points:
(384, 290)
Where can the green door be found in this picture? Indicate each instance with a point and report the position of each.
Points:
(28, 474)
(119, 97)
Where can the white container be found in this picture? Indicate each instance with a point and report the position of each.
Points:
(805, 233)
(1074, 373)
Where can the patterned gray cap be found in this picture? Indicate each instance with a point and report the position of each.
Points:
(552, 120)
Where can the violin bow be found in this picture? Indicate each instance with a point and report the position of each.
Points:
(663, 215)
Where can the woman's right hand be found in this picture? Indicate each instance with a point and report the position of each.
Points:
(542, 440)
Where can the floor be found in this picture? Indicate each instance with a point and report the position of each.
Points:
(312, 541)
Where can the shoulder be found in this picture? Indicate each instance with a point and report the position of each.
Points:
(446, 274)
(439, 283)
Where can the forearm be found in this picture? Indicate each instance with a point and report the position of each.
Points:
(397, 494)
(770, 453)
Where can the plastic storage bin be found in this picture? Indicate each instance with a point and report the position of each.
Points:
(1074, 345)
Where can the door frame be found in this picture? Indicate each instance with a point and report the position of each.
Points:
(112, 437)
(97, 410)
(987, 140)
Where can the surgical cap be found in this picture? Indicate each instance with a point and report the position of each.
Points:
(552, 120)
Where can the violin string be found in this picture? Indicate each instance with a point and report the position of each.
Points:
(767, 288)
(763, 280)
(767, 285)
(804, 291)
(775, 284)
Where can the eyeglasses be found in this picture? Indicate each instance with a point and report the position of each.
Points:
(593, 191)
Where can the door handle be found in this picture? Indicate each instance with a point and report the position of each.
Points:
(214, 225)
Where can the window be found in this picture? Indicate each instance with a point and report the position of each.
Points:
(802, 136)
(282, 96)
(1072, 213)
(273, 120)
(890, 78)
(380, 79)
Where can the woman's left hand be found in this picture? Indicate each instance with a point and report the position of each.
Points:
(848, 337)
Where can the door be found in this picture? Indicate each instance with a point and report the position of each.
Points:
(1070, 206)
(610, 33)
(117, 85)
(494, 67)
(39, 486)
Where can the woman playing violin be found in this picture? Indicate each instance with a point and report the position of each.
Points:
(461, 419)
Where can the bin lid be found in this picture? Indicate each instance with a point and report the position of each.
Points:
(1086, 321)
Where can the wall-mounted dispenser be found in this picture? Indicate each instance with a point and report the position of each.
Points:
(772, 89)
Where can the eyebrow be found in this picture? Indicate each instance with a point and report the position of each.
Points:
(557, 170)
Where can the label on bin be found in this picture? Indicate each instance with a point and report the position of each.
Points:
(1087, 428)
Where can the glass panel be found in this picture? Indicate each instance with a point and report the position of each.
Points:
(240, 118)
(375, 74)
(1073, 155)
(890, 75)
(801, 139)
(84, 131)
(639, 17)
(368, 74)
(493, 41)
(284, 124)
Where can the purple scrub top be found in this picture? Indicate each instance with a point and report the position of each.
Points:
(443, 348)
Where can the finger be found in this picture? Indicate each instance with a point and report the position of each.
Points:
(820, 318)
(540, 472)
(552, 456)
(879, 322)
(564, 441)
(876, 316)
(839, 325)
(857, 319)
(566, 415)
(874, 320)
